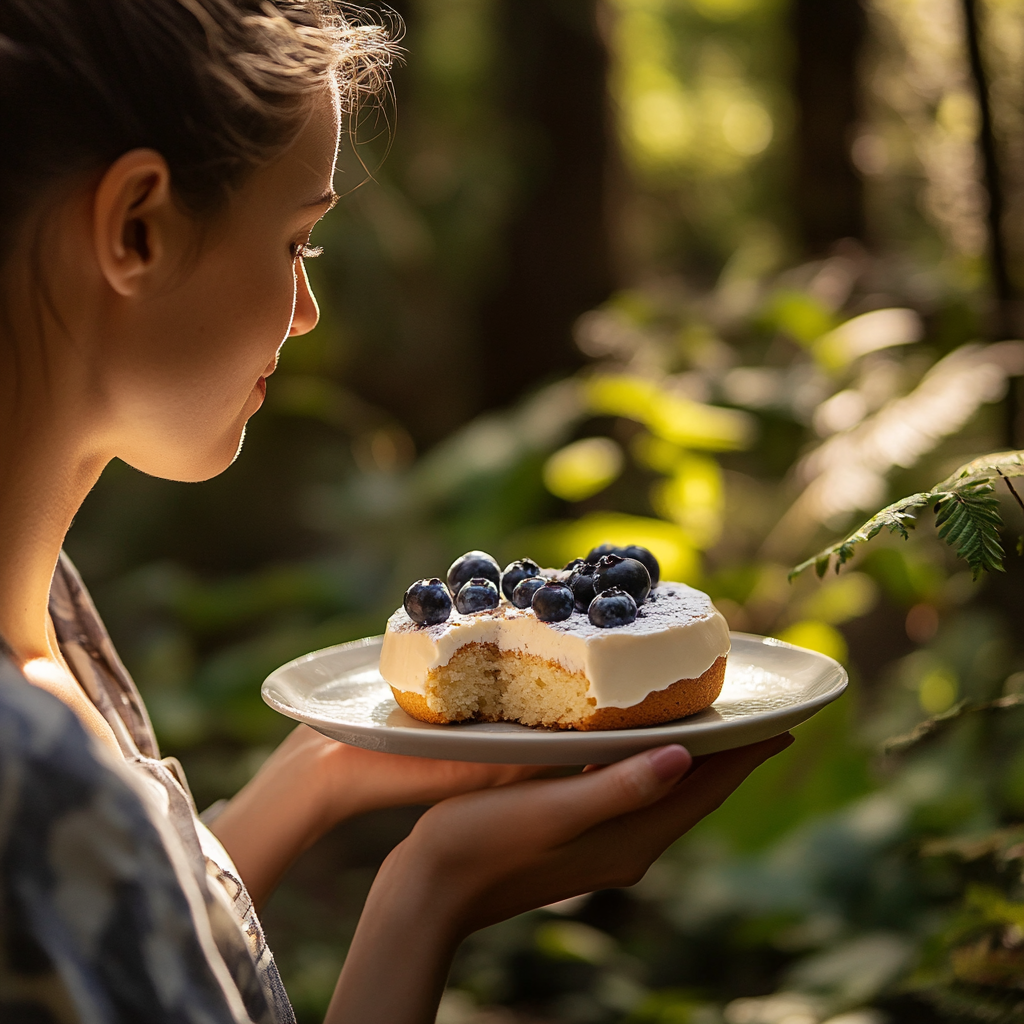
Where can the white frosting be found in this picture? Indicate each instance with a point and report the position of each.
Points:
(678, 634)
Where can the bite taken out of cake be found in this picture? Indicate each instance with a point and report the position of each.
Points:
(600, 644)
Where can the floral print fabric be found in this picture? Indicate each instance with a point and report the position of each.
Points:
(116, 903)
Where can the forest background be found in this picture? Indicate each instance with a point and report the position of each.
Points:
(716, 276)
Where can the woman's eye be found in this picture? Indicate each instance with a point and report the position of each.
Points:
(305, 251)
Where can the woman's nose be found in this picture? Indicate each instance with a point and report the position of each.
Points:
(307, 312)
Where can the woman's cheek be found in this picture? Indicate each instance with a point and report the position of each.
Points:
(277, 304)
(263, 320)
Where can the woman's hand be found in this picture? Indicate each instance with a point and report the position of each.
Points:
(310, 783)
(483, 857)
(357, 780)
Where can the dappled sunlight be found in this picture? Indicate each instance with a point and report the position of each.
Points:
(672, 417)
(705, 117)
(847, 472)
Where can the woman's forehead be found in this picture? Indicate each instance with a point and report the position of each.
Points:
(304, 172)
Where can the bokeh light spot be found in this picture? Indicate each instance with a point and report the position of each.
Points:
(817, 636)
(937, 691)
(747, 127)
(583, 468)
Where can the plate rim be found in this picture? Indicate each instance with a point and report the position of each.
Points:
(567, 736)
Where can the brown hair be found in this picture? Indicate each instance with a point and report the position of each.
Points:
(216, 86)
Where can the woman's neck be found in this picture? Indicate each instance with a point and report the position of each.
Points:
(46, 471)
(43, 482)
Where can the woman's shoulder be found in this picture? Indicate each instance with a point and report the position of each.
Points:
(34, 726)
(89, 897)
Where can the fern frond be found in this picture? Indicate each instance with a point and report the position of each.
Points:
(966, 515)
(899, 517)
(1009, 464)
(968, 521)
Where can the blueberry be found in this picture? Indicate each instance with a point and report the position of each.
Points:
(613, 607)
(596, 554)
(562, 575)
(428, 602)
(516, 571)
(581, 583)
(553, 602)
(625, 573)
(629, 551)
(473, 563)
(477, 594)
(644, 556)
(522, 596)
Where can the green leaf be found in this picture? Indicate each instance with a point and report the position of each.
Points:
(1009, 464)
(968, 521)
(899, 517)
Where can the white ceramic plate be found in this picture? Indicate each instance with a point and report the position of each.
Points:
(770, 686)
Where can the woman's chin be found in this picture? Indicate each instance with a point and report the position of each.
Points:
(191, 464)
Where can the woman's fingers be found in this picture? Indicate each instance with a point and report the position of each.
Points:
(448, 778)
(645, 787)
(496, 853)
(618, 850)
(717, 775)
(653, 829)
(573, 805)
(368, 779)
(550, 812)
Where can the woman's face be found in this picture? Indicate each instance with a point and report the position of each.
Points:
(179, 369)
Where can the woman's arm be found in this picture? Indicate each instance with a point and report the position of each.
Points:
(483, 857)
(310, 783)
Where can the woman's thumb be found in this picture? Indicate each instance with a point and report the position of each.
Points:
(595, 796)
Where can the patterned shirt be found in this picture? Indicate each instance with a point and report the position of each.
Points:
(117, 904)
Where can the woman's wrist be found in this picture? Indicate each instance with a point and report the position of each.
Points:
(400, 956)
(291, 802)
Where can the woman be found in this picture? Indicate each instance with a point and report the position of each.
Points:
(162, 164)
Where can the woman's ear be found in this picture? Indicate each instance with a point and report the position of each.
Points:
(134, 221)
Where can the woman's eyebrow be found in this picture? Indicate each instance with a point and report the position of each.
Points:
(327, 198)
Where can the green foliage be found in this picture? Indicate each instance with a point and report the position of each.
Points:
(968, 521)
(834, 881)
(966, 515)
(899, 517)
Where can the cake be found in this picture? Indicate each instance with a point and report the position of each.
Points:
(559, 649)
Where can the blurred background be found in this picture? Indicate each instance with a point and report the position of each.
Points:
(720, 277)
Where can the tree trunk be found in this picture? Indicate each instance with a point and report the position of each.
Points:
(828, 196)
(557, 256)
(1006, 319)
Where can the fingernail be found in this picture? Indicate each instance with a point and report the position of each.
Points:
(669, 762)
